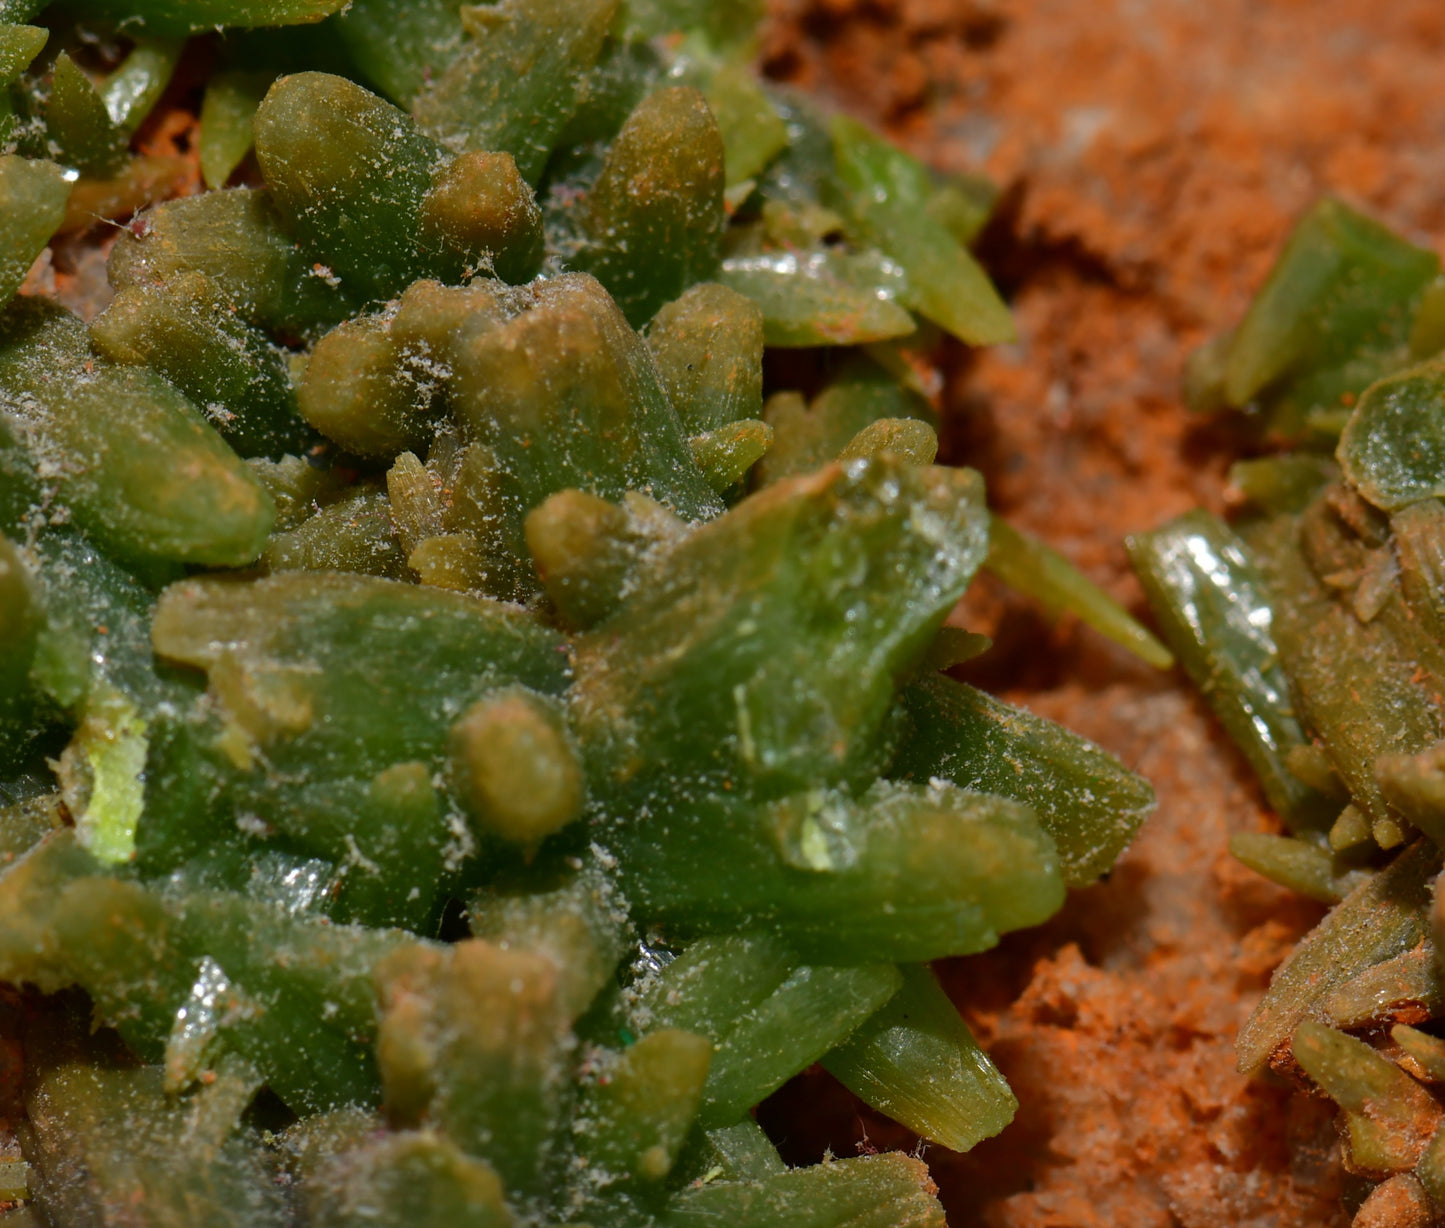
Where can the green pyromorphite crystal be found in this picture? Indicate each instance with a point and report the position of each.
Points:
(436, 685)
(1314, 629)
(1334, 316)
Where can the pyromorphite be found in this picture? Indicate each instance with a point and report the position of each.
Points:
(486, 723)
(1314, 629)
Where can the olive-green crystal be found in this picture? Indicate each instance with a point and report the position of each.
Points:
(915, 1060)
(708, 345)
(1338, 296)
(32, 206)
(511, 83)
(198, 16)
(1086, 799)
(236, 239)
(887, 194)
(1393, 447)
(137, 464)
(1379, 919)
(660, 191)
(230, 369)
(1206, 590)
